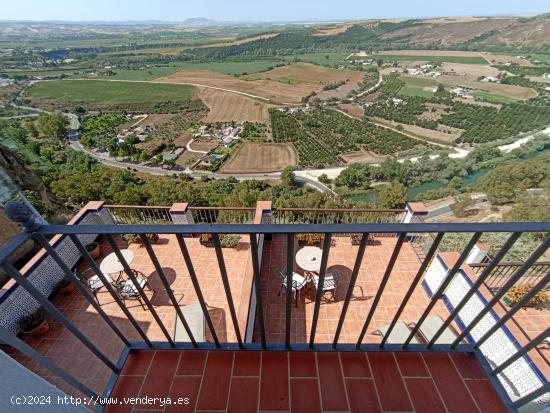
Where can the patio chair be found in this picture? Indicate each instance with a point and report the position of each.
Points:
(330, 283)
(195, 320)
(296, 285)
(128, 291)
(398, 335)
(431, 325)
(91, 282)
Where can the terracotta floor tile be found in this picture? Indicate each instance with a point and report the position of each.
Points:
(243, 396)
(247, 363)
(138, 363)
(161, 373)
(391, 390)
(362, 396)
(424, 395)
(216, 381)
(411, 364)
(355, 364)
(302, 364)
(185, 388)
(125, 387)
(274, 382)
(191, 363)
(485, 396)
(304, 395)
(333, 392)
(468, 366)
(450, 385)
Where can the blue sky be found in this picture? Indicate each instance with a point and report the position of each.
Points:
(258, 10)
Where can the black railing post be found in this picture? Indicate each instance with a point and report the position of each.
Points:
(167, 287)
(257, 287)
(444, 284)
(138, 288)
(319, 292)
(349, 293)
(114, 294)
(227, 288)
(381, 287)
(289, 286)
(197, 287)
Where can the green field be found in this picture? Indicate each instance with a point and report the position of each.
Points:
(490, 97)
(437, 59)
(321, 58)
(409, 90)
(109, 93)
(419, 81)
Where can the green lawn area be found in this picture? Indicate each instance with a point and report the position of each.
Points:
(419, 81)
(109, 93)
(321, 58)
(490, 97)
(409, 90)
(474, 60)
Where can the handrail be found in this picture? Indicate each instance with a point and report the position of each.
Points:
(358, 210)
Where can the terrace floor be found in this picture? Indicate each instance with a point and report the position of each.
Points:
(305, 382)
(60, 346)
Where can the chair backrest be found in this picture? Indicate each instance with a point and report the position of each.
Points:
(282, 275)
(336, 276)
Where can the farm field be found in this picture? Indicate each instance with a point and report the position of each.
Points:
(227, 106)
(321, 136)
(513, 91)
(253, 157)
(422, 133)
(307, 73)
(104, 94)
(241, 41)
(269, 89)
(493, 98)
(409, 90)
(473, 60)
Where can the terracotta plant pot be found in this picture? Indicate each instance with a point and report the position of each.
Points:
(40, 330)
(94, 250)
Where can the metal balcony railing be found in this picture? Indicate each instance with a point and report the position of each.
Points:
(255, 234)
(502, 273)
(131, 214)
(336, 216)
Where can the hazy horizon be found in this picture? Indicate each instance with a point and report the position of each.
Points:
(247, 11)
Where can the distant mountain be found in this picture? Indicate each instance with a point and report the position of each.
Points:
(200, 21)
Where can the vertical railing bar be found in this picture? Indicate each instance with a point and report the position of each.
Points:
(500, 255)
(446, 281)
(18, 344)
(319, 292)
(289, 285)
(414, 284)
(227, 288)
(353, 279)
(381, 287)
(76, 282)
(166, 285)
(50, 308)
(138, 288)
(518, 306)
(496, 298)
(257, 287)
(532, 396)
(196, 285)
(522, 352)
(109, 287)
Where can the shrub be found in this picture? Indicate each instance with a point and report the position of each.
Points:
(309, 239)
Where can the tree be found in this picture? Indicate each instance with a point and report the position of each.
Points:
(355, 176)
(324, 179)
(392, 196)
(288, 177)
(462, 205)
(393, 170)
(440, 88)
(52, 126)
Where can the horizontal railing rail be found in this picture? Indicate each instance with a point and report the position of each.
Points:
(254, 234)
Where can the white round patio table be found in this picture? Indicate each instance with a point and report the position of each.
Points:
(309, 258)
(111, 264)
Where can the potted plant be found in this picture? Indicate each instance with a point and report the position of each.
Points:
(309, 239)
(65, 286)
(94, 250)
(35, 324)
(136, 239)
(356, 239)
